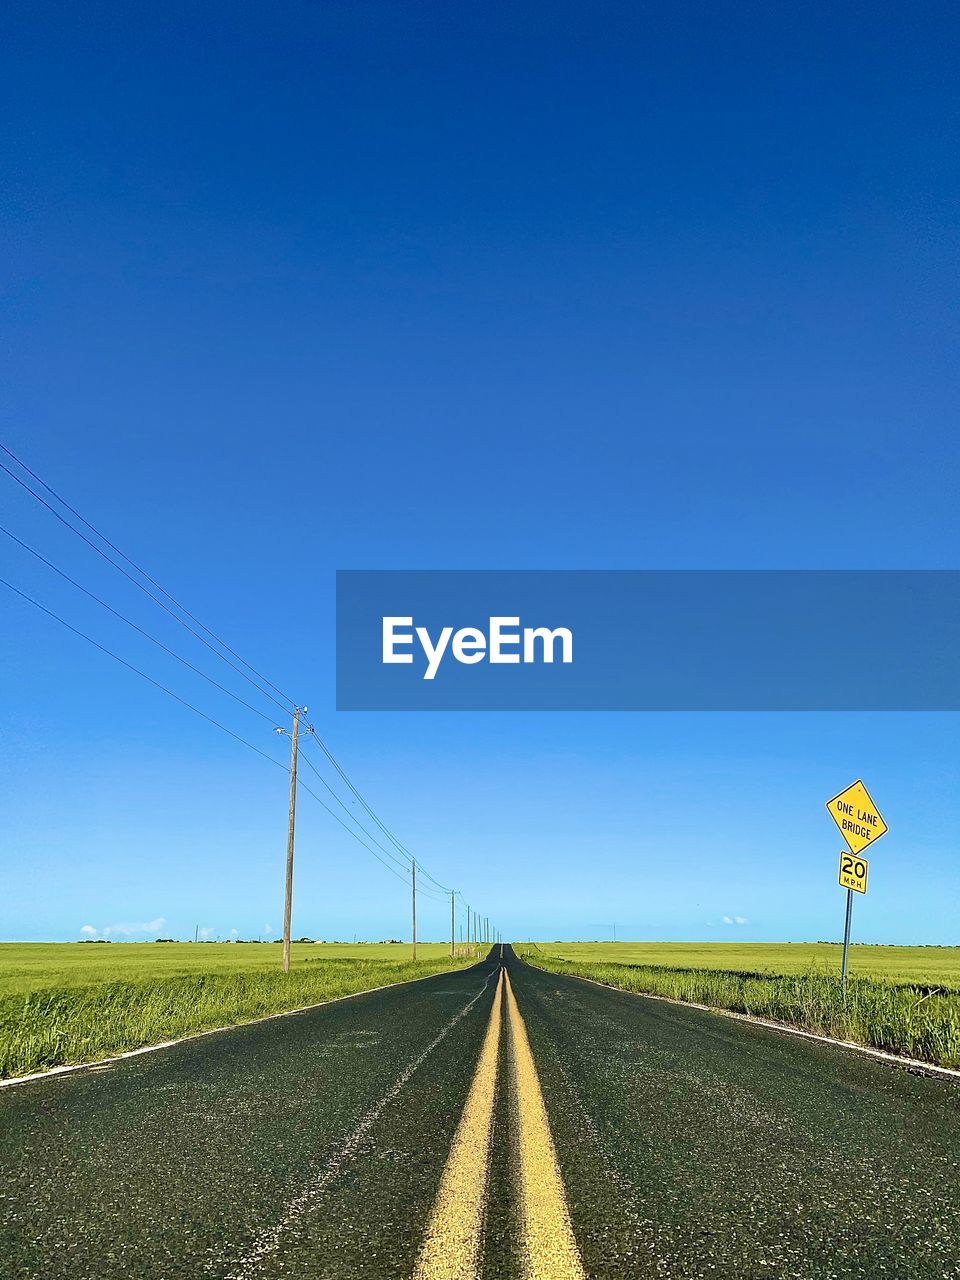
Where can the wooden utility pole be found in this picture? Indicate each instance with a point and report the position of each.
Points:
(288, 900)
(413, 876)
(453, 926)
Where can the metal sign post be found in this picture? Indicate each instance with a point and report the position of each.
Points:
(846, 943)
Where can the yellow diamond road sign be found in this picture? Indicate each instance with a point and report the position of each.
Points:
(857, 816)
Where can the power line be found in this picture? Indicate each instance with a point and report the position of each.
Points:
(349, 830)
(136, 670)
(404, 851)
(189, 705)
(123, 618)
(336, 764)
(102, 536)
(323, 805)
(385, 829)
(442, 887)
(407, 867)
(352, 818)
(140, 587)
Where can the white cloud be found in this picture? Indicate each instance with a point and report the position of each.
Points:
(126, 930)
(728, 920)
(148, 926)
(740, 920)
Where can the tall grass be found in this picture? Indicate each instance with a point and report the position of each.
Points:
(915, 1021)
(54, 1026)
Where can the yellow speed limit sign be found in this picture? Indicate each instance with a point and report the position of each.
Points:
(853, 872)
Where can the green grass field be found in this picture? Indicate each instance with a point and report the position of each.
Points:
(928, 966)
(27, 966)
(64, 1003)
(905, 1000)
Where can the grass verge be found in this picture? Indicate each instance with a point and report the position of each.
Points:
(915, 1021)
(57, 1026)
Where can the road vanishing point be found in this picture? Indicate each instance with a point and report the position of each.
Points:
(497, 1121)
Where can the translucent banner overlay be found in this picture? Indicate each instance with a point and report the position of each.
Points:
(648, 640)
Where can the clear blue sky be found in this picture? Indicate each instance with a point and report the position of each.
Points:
(298, 287)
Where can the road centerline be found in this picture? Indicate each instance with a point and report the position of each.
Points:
(451, 1244)
(549, 1247)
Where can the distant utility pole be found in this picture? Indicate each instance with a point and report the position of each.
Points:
(288, 899)
(413, 877)
(468, 926)
(453, 926)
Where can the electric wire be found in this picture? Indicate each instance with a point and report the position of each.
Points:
(264, 692)
(136, 670)
(421, 889)
(306, 758)
(139, 568)
(330, 756)
(123, 618)
(402, 875)
(383, 827)
(323, 805)
(196, 710)
(140, 587)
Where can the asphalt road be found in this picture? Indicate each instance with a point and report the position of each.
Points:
(473, 1124)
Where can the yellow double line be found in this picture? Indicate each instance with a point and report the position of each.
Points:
(451, 1248)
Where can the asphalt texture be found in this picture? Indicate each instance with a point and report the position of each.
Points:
(689, 1145)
